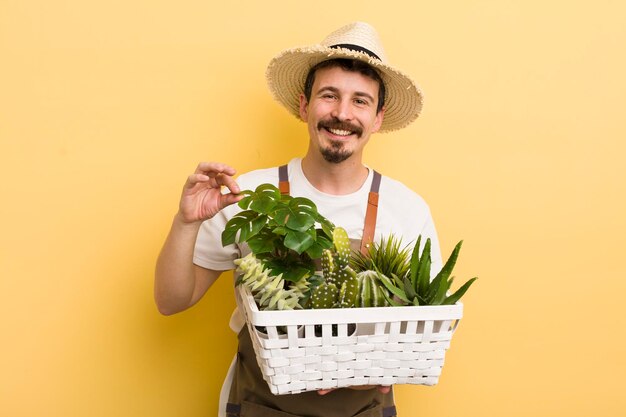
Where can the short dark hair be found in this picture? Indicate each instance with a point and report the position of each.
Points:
(353, 65)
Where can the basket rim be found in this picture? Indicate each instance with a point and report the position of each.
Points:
(345, 315)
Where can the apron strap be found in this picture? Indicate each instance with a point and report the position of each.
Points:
(370, 214)
(283, 180)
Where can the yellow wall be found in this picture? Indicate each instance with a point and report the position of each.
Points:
(105, 107)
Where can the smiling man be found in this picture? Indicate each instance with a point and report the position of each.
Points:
(344, 99)
(345, 90)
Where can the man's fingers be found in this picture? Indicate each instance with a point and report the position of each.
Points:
(213, 168)
(194, 179)
(228, 199)
(228, 182)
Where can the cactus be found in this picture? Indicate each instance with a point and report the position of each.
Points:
(370, 290)
(325, 296)
(329, 267)
(349, 290)
(340, 285)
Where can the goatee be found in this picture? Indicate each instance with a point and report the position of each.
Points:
(335, 153)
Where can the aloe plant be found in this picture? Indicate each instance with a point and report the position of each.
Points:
(286, 233)
(416, 288)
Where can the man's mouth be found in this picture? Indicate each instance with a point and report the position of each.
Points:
(339, 132)
(339, 128)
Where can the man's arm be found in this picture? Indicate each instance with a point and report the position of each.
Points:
(179, 283)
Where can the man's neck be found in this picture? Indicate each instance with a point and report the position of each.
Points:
(334, 178)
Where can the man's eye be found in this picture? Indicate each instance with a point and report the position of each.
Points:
(360, 102)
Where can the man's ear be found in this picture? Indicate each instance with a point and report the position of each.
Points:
(379, 120)
(304, 104)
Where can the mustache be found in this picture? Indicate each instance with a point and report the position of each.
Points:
(335, 123)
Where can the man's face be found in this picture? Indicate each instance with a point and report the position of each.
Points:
(341, 113)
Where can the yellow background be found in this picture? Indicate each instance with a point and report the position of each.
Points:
(105, 107)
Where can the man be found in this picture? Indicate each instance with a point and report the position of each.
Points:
(344, 90)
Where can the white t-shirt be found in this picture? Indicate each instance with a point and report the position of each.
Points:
(401, 212)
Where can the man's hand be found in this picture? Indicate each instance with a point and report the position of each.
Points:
(202, 196)
(382, 388)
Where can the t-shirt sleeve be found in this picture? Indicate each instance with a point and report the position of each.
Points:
(209, 252)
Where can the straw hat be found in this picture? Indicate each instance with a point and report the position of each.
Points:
(286, 73)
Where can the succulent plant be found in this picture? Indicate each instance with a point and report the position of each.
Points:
(416, 288)
(269, 291)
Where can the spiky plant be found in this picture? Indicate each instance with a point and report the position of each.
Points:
(387, 257)
(416, 287)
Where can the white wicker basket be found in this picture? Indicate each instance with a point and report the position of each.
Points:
(388, 345)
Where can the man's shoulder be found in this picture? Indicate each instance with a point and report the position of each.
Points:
(251, 179)
(391, 188)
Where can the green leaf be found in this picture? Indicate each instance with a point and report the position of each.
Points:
(415, 262)
(264, 204)
(423, 274)
(298, 241)
(260, 244)
(294, 219)
(280, 230)
(238, 222)
(315, 251)
(303, 205)
(391, 301)
(408, 288)
(244, 203)
(392, 288)
(450, 263)
(255, 227)
(459, 293)
(268, 190)
(323, 240)
(443, 285)
(327, 226)
(295, 273)
(398, 281)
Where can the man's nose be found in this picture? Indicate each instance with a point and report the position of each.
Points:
(342, 110)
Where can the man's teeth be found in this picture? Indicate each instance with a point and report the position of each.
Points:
(339, 132)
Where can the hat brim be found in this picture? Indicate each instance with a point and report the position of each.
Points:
(286, 75)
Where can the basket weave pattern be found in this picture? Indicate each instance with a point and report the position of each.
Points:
(307, 350)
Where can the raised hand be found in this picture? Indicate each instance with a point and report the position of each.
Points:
(202, 196)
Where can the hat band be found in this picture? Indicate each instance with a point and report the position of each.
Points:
(356, 48)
